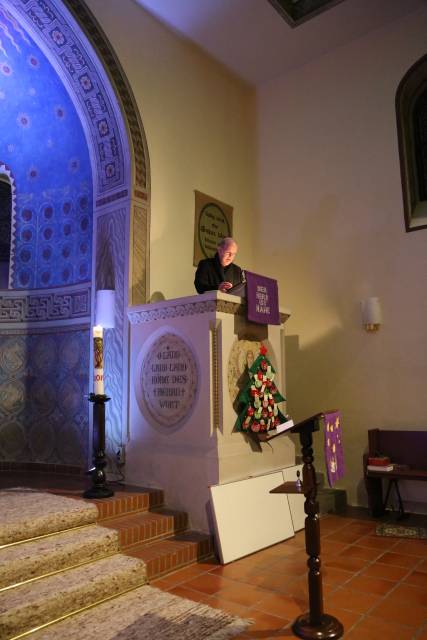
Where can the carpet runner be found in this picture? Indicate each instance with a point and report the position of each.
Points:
(32, 604)
(27, 514)
(146, 614)
(62, 576)
(55, 552)
(401, 531)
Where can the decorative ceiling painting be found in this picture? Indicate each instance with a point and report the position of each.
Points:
(44, 147)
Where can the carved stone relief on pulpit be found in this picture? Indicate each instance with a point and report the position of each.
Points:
(168, 380)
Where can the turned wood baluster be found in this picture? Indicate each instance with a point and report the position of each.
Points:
(314, 625)
(312, 530)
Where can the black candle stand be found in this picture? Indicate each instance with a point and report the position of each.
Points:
(314, 625)
(99, 488)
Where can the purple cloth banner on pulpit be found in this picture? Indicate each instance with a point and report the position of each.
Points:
(263, 299)
(334, 453)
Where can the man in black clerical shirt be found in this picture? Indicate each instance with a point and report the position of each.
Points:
(219, 272)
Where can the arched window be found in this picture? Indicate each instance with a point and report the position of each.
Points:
(411, 112)
(420, 143)
(5, 228)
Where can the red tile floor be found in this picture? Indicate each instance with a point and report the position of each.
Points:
(376, 586)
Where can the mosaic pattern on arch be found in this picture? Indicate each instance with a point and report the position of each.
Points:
(52, 305)
(44, 414)
(43, 144)
(50, 21)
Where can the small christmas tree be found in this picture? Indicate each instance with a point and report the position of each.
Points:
(258, 400)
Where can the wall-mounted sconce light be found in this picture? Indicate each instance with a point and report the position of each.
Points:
(371, 314)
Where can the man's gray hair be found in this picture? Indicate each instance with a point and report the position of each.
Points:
(224, 242)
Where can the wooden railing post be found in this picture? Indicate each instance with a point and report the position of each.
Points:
(314, 625)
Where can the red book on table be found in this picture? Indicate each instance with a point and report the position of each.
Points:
(379, 461)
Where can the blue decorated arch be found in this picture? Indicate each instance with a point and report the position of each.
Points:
(43, 143)
(74, 150)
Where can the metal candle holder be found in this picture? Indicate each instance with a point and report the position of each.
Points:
(99, 488)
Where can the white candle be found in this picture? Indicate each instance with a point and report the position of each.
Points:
(98, 361)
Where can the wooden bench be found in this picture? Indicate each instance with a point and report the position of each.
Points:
(406, 448)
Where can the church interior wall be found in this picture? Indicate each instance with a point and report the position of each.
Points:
(65, 152)
(199, 122)
(43, 381)
(310, 164)
(333, 234)
(44, 416)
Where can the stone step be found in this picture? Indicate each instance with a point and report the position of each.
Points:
(27, 514)
(124, 502)
(29, 560)
(147, 526)
(173, 553)
(30, 605)
(140, 518)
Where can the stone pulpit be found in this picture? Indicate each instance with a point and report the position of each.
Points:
(189, 359)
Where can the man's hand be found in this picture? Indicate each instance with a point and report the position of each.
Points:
(225, 286)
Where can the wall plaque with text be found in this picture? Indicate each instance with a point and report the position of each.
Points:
(213, 221)
(169, 380)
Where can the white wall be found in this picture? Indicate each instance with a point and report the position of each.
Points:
(199, 122)
(328, 218)
(333, 233)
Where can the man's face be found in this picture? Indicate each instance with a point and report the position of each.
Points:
(227, 254)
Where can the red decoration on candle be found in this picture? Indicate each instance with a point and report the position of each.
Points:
(98, 361)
